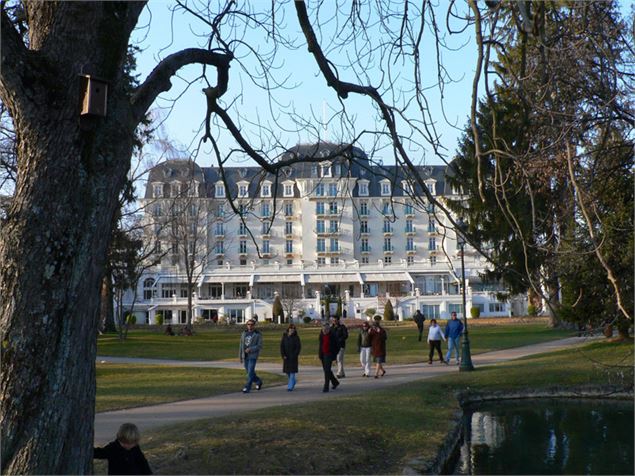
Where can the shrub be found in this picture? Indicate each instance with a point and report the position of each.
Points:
(532, 310)
(158, 319)
(370, 312)
(306, 319)
(475, 312)
(277, 311)
(131, 319)
(389, 313)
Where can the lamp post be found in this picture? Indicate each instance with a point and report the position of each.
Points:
(466, 356)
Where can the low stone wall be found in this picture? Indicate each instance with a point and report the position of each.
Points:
(447, 455)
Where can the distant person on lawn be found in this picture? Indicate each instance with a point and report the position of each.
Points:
(363, 347)
(340, 332)
(290, 347)
(435, 334)
(124, 455)
(327, 352)
(250, 346)
(378, 339)
(453, 330)
(419, 319)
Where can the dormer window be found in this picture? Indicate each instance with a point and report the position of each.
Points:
(192, 190)
(362, 188)
(220, 190)
(265, 190)
(288, 190)
(407, 187)
(175, 189)
(385, 188)
(431, 184)
(326, 170)
(243, 190)
(338, 170)
(157, 190)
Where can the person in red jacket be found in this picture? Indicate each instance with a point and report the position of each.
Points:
(378, 339)
(327, 352)
(124, 455)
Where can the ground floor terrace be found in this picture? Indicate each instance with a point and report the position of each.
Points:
(238, 296)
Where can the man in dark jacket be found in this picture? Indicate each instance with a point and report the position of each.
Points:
(327, 352)
(419, 319)
(341, 334)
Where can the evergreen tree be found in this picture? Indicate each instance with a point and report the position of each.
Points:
(277, 310)
(389, 313)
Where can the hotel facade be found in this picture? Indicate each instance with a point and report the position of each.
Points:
(337, 229)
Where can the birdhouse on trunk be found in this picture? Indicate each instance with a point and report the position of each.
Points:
(94, 96)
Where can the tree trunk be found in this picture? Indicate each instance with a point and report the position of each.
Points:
(53, 244)
(106, 311)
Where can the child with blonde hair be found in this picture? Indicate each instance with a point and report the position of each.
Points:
(124, 455)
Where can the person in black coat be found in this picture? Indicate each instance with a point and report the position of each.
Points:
(124, 455)
(290, 347)
(419, 319)
(327, 352)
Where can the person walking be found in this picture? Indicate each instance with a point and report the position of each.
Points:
(419, 319)
(435, 334)
(453, 330)
(378, 339)
(290, 347)
(250, 346)
(327, 352)
(363, 347)
(341, 334)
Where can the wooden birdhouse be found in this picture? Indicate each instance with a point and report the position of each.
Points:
(94, 96)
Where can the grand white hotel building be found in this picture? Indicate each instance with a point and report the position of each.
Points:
(335, 228)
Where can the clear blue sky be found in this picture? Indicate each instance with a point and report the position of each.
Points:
(309, 96)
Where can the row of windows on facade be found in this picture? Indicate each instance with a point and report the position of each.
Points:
(178, 189)
(321, 246)
(321, 208)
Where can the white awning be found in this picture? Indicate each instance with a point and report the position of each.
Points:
(382, 277)
(227, 278)
(332, 278)
(277, 278)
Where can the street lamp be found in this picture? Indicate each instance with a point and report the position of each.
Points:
(466, 357)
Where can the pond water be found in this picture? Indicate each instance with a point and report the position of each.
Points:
(548, 436)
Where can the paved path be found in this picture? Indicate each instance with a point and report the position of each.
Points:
(308, 388)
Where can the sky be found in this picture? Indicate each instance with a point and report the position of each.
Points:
(305, 94)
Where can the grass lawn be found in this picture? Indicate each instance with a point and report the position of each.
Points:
(126, 386)
(221, 343)
(367, 434)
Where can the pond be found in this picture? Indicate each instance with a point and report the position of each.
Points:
(548, 436)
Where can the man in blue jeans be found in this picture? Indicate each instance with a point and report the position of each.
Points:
(453, 334)
(250, 345)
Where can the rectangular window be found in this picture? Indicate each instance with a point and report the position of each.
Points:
(431, 311)
(242, 229)
(157, 191)
(266, 228)
(332, 190)
(220, 228)
(433, 260)
(176, 189)
(288, 209)
(364, 259)
(289, 246)
(385, 208)
(157, 209)
(409, 227)
(363, 189)
(333, 226)
(242, 191)
(410, 246)
(288, 190)
(326, 171)
(387, 227)
(321, 245)
(410, 259)
(314, 170)
(334, 260)
(432, 244)
(290, 261)
(496, 307)
(432, 226)
(363, 209)
(265, 210)
(288, 228)
(320, 226)
(458, 308)
(321, 261)
(408, 209)
(167, 291)
(220, 247)
(387, 259)
(243, 247)
(220, 190)
(333, 208)
(319, 190)
(338, 170)
(220, 210)
(387, 244)
(385, 189)
(335, 245)
(365, 246)
(319, 208)
(363, 226)
(265, 246)
(243, 262)
(266, 190)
